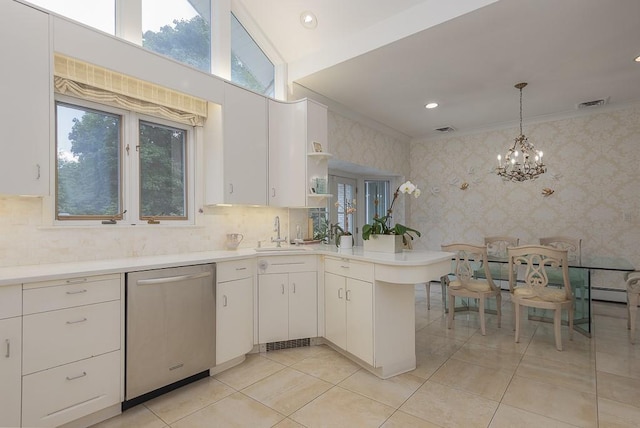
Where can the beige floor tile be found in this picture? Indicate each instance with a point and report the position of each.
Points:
(510, 417)
(331, 367)
(183, 401)
(236, 410)
(253, 369)
(622, 365)
(619, 388)
(138, 416)
(460, 330)
(291, 356)
(449, 407)
(616, 344)
(557, 373)
(288, 423)
(503, 339)
(547, 349)
(486, 382)
(488, 357)
(563, 404)
(393, 391)
(429, 344)
(427, 364)
(613, 414)
(341, 408)
(288, 390)
(404, 420)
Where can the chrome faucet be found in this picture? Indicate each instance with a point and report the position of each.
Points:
(276, 228)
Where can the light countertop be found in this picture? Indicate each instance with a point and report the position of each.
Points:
(45, 272)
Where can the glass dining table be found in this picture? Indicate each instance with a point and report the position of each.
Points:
(579, 275)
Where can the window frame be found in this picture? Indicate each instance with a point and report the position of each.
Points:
(130, 182)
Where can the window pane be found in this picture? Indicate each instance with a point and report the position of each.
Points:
(346, 196)
(88, 162)
(178, 30)
(376, 199)
(250, 67)
(98, 14)
(162, 171)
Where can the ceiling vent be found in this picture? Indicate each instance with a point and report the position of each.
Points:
(445, 129)
(594, 103)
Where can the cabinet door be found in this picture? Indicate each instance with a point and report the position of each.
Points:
(287, 154)
(303, 305)
(335, 321)
(234, 314)
(359, 297)
(273, 307)
(245, 146)
(10, 371)
(26, 94)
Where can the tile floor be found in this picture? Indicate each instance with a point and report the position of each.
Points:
(462, 379)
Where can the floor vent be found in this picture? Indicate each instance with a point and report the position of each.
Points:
(286, 344)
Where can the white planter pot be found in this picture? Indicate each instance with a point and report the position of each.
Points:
(346, 242)
(384, 243)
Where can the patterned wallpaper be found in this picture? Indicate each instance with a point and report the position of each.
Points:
(593, 167)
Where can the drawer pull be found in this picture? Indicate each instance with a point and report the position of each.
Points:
(76, 280)
(224, 301)
(84, 290)
(241, 268)
(77, 377)
(8, 343)
(344, 267)
(76, 322)
(177, 366)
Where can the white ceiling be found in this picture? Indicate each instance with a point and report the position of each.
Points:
(385, 59)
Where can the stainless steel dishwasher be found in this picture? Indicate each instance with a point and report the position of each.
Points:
(171, 328)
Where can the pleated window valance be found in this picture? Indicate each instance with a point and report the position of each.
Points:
(90, 82)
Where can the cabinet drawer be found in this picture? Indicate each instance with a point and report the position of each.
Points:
(54, 397)
(349, 268)
(237, 269)
(286, 264)
(60, 294)
(58, 337)
(10, 301)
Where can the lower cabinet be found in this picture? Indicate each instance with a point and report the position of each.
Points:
(349, 315)
(288, 306)
(10, 373)
(234, 309)
(71, 348)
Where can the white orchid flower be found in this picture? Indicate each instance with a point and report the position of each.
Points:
(407, 187)
(416, 192)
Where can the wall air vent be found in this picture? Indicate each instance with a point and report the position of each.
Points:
(594, 103)
(445, 129)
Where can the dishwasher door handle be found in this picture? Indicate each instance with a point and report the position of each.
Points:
(169, 279)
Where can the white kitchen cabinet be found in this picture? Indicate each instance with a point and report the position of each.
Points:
(10, 355)
(287, 298)
(26, 92)
(234, 309)
(71, 348)
(349, 315)
(237, 165)
(293, 164)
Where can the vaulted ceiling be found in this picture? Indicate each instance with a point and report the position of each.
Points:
(387, 59)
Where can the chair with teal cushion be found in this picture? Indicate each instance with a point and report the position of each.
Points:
(468, 258)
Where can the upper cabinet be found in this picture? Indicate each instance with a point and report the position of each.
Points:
(26, 91)
(298, 153)
(237, 163)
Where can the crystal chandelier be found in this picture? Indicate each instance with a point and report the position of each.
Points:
(523, 161)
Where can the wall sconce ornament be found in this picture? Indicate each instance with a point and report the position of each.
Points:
(464, 186)
(547, 192)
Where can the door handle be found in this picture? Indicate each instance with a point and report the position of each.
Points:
(282, 288)
(8, 343)
(224, 301)
(339, 293)
(348, 295)
(294, 287)
(173, 278)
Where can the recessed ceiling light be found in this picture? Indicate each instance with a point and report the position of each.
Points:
(431, 105)
(308, 20)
